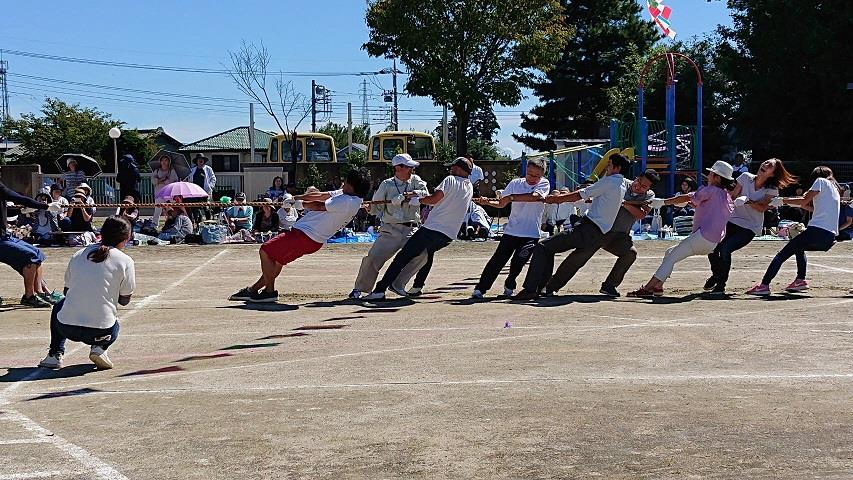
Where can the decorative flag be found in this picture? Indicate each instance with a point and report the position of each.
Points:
(660, 14)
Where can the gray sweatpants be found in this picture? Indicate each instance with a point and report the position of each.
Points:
(390, 240)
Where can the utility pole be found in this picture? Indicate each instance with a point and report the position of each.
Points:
(251, 132)
(395, 119)
(313, 106)
(444, 127)
(365, 119)
(349, 130)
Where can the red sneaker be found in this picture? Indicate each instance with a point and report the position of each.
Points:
(644, 292)
(798, 285)
(760, 289)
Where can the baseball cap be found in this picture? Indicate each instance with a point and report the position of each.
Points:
(404, 159)
(240, 196)
(462, 163)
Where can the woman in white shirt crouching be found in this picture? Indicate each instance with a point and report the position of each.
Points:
(88, 312)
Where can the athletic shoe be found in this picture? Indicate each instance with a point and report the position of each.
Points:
(415, 291)
(759, 289)
(355, 294)
(51, 361)
(264, 297)
(34, 301)
(525, 295)
(710, 284)
(609, 290)
(718, 290)
(507, 292)
(52, 298)
(243, 295)
(477, 294)
(548, 293)
(798, 285)
(374, 296)
(56, 297)
(399, 291)
(99, 357)
(644, 292)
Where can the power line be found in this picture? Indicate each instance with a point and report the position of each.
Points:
(170, 68)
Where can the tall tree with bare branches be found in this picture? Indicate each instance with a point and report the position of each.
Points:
(250, 72)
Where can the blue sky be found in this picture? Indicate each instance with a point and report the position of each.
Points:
(302, 36)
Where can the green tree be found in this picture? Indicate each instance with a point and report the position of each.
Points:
(66, 128)
(468, 54)
(573, 96)
(785, 62)
(483, 126)
(360, 133)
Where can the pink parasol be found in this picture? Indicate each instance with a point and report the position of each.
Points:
(184, 189)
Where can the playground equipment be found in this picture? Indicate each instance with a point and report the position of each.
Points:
(570, 167)
(673, 150)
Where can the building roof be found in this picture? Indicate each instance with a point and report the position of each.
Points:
(234, 139)
(156, 132)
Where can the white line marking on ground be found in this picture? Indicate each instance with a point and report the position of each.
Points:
(90, 462)
(102, 469)
(834, 269)
(20, 441)
(43, 474)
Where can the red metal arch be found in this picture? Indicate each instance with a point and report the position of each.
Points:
(669, 79)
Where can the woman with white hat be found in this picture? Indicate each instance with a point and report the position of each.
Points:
(713, 205)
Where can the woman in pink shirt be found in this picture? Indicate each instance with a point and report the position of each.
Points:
(713, 205)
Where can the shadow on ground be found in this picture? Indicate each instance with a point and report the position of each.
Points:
(22, 374)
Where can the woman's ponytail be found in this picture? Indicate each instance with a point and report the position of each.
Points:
(114, 231)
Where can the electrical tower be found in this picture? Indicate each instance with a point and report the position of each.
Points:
(4, 92)
(365, 120)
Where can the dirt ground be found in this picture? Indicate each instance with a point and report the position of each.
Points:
(579, 386)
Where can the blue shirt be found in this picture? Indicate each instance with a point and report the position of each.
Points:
(845, 213)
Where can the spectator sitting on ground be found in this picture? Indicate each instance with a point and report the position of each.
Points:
(549, 215)
(239, 216)
(287, 216)
(45, 223)
(130, 212)
(266, 220)
(87, 190)
(277, 190)
(477, 224)
(56, 196)
(79, 215)
(178, 225)
(688, 185)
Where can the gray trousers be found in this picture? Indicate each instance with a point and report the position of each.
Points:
(390, 240)
(618, 243)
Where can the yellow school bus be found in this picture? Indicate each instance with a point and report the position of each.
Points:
(313, 147)
(384, 145)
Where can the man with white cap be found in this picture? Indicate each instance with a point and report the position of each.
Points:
(399, 220)
(451, 199)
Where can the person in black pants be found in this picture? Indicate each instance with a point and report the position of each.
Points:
(451, 200)
(522, 232)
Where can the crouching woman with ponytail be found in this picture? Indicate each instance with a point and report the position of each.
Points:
(98, 279)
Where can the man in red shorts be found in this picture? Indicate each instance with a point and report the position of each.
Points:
(327, 212)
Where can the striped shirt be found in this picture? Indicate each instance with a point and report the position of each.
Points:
(72, 181)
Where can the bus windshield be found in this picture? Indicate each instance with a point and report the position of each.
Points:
(391, 147)
(286, 154)
(422, 149)
(319, 150)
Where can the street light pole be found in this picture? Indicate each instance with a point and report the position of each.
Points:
(114, 134)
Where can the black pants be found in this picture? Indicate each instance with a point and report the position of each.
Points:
(584, 233)
(516, 250)
(814, 239)
(424, 240)
(618, 243)
(423, 273)
(736, 238)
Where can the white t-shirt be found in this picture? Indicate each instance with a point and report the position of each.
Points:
(827, 206)
(320, 226)
(607, 195)
(476, 214)
(746, 216)
(447, 215)
(525, 216)
(94, 288)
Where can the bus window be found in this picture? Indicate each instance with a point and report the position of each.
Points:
(286, 155)
(274, 151)
(391, 147)
(421, 149)
(319, 150)
(375, 149)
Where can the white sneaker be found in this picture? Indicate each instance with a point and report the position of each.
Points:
(399, 291)
(477, 294)
(413, 292)
(508, 292)
(51, 361)
(99, 357)
(374, 296)
(355, 294)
